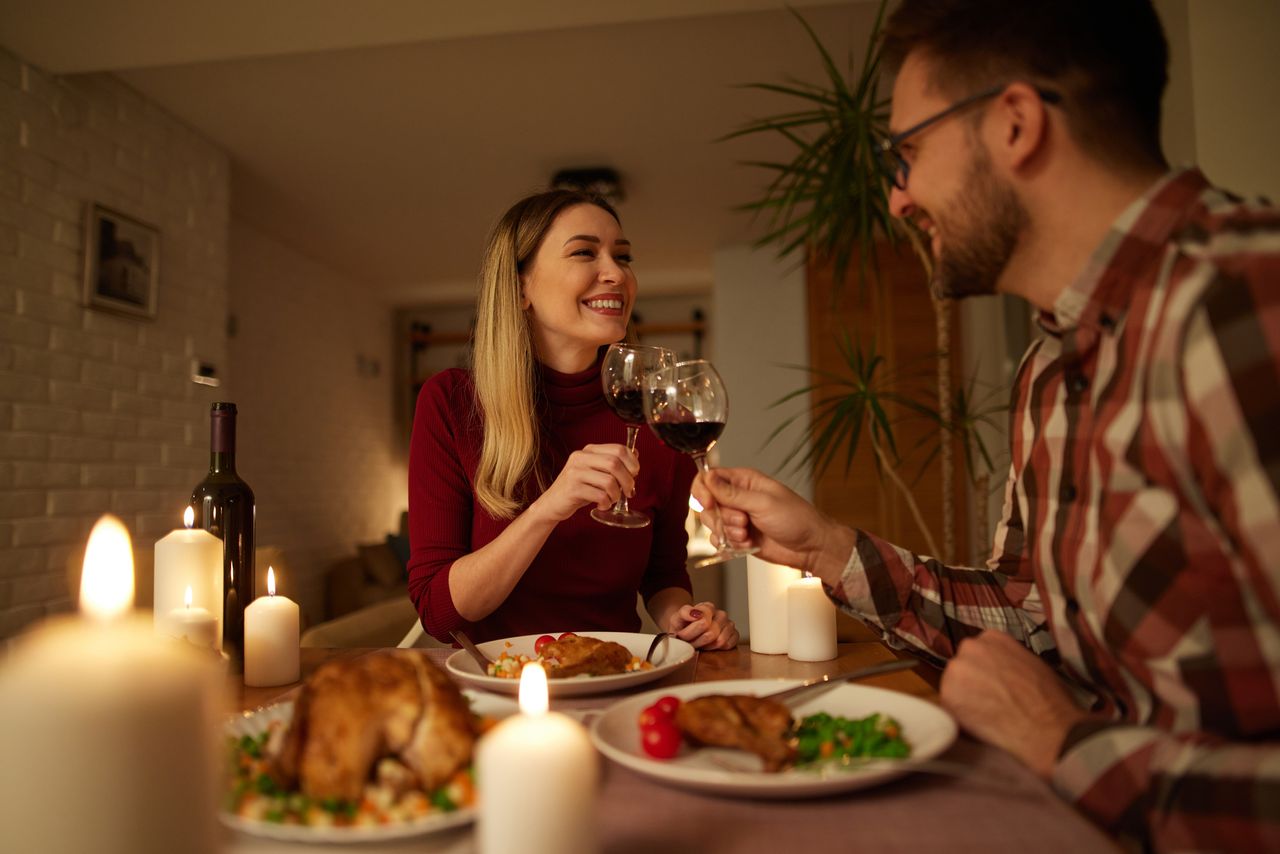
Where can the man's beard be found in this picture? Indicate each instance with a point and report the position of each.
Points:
(979, 232)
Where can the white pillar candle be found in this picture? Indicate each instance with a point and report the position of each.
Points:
(537, 775)
(110, 735)
(767, 605)
(194, 625)
(188, 558)
(271, 639)
(811, 621)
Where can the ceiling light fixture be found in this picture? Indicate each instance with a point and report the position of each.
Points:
(601, 180)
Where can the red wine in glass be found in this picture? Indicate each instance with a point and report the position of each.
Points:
(622, 374)
(686, 405)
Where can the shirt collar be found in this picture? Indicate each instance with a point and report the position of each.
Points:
(1099, 296)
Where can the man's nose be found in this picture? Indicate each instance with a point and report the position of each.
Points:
(900, 204)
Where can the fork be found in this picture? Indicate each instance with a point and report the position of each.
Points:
(465, 642)
(653, 647)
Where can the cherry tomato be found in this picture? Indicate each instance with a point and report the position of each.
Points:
(541, 642)
(666, 706)
(661, 741)
(566, 635)
(650, 717)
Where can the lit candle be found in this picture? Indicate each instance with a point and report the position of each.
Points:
(194, 625)
(811, 621)
(114, 726)
(767, 605)
(188, 559)
(271, 639)
(537, 774)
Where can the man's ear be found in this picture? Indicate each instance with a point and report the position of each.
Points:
(1023, 125)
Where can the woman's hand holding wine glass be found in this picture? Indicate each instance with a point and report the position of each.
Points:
(687, 406)
(622, 375)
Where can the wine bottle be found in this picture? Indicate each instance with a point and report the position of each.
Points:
(223, 505)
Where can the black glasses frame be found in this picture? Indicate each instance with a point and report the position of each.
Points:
(894, 166)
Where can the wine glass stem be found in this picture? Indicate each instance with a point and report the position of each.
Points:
(701, 460)
(633, 430)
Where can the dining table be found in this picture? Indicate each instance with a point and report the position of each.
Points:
(974, 798)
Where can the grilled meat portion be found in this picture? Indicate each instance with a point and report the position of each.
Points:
(575, 655)
(742, 722)
(351, 714)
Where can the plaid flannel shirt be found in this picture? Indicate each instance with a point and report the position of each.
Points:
(1139, 548)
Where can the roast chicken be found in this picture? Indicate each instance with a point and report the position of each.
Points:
(575, 655)
(353, 715)
(754, 724)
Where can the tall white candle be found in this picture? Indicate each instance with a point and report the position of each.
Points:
(134, 716)
(767, 604)
(188, 557)
(537, 775)
(271, 639)
(811, 621)
(194, 625)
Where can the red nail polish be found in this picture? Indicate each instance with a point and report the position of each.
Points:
(697, 615)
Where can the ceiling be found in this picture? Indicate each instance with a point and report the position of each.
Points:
(383, 138)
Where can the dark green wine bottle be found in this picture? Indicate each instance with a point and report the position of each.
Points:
(223, 505)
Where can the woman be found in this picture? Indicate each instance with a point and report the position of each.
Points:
(507, 460)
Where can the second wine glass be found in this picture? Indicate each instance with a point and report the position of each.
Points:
(687, 406)
(622, 374)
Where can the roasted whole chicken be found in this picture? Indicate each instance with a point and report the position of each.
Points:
(754, 724)
(575, 655)
(392, 707)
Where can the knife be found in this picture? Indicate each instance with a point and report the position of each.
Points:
(825, 682)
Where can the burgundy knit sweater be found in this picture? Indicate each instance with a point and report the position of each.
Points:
(587, 574)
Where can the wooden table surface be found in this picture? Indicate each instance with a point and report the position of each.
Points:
(987, 801)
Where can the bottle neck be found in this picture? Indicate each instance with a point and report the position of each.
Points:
(222, 442)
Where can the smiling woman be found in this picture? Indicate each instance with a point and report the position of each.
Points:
(508, 459)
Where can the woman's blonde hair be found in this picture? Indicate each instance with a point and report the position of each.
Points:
(504, 366)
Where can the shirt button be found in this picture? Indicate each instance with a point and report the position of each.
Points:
(1073, 607)
(1068, 493)
(1077, 383)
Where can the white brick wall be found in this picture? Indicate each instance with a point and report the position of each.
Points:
(315, 432)
(97, 412)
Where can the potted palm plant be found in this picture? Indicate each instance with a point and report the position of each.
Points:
(831, 202)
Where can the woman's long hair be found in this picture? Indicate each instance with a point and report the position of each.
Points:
(504, 365)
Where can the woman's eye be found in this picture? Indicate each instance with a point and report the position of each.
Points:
(586, 253)
(623, 259)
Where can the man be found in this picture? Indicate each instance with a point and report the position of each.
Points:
(1124, 639)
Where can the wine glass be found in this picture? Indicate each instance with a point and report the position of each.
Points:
(622, 374)
(686, 405)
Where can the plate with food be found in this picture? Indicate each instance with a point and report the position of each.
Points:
(577, 664)
(370, 749)
(726, 738)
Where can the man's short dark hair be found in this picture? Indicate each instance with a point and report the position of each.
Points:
(1108, 58)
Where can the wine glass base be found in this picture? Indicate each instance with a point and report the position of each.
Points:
(721, 556)
(621, 518)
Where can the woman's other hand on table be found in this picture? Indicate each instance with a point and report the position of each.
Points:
(705, 626)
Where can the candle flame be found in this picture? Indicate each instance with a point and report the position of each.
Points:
(187, 598)
(533, 689)
(188, 516)
(271, 581)
(106, 584)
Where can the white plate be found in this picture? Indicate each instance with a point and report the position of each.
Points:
(254, 723)
(669, 656)
(928, 729)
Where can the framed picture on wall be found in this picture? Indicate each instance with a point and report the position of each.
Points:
(121, 262)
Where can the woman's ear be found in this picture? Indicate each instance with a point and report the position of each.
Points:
(524, 298)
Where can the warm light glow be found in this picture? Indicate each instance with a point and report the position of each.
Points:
(106, 585)
(694, 505)
(188, 517)
(187, 598)
(533, 689)
(271, 581)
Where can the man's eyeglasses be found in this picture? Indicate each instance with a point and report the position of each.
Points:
(894, 166)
